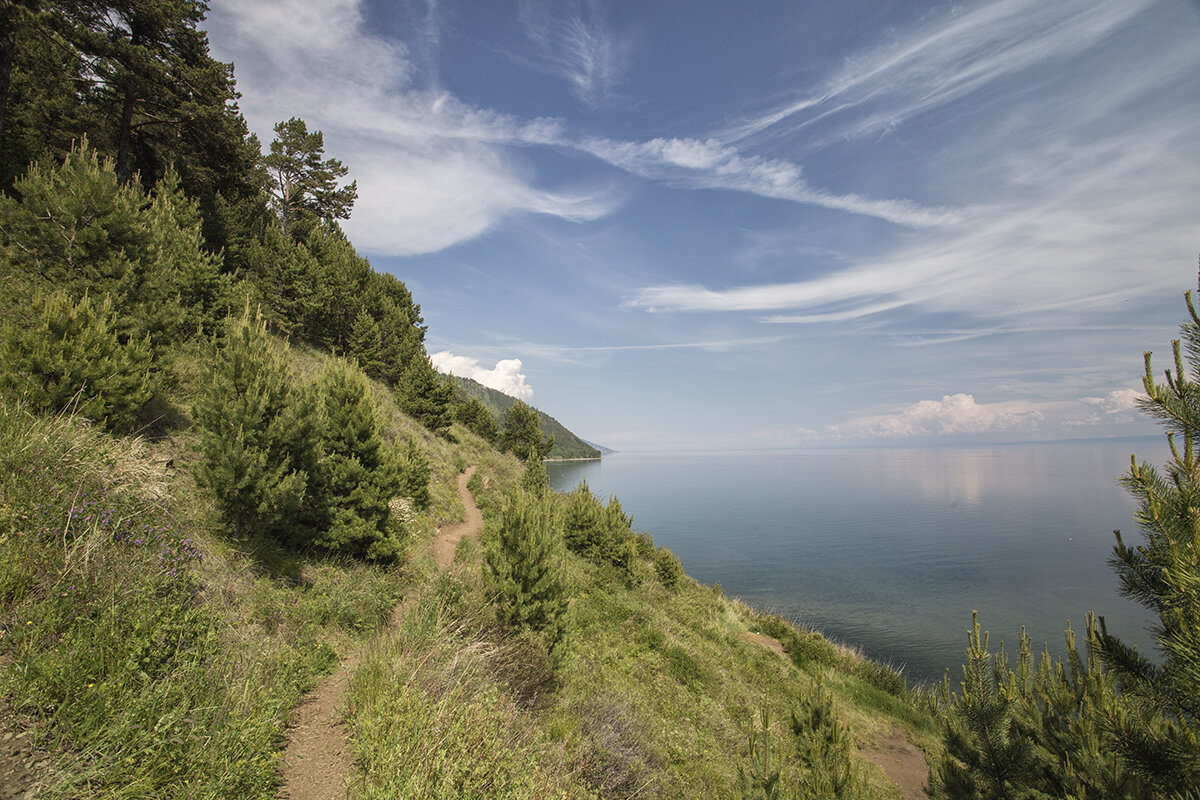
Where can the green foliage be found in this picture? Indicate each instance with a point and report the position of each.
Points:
(258, 434)
(1163, 575)
(759, 775)
(76, 227)
(983, 735)
(601, 534)
(823, 748)
(70, 358)
(136, 76)
(475, 416)
(535, 480)
(667, 567)
(358, 478)
(363, 345)
(425, 395)
(519, 433)
(413, 472)
(1036, 730)
(523, 556)
(304, 186)
(141, 654)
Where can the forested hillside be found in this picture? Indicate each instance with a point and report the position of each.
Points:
(566, 444)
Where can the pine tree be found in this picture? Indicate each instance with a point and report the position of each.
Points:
(256, 436)
(986, 757)
(359, 479)
(823, 747)
(524, 570)
(70, 357)
(475, 416)
(77, 227)
(1163, 574)
(425, 395)
(535, 480)
(520, 435)
(304, 186)
(363, 345)
(413, 471)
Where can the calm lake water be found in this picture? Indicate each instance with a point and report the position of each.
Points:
(891, 549)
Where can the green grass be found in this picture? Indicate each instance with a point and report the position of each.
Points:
(153, 658)
(437, 707)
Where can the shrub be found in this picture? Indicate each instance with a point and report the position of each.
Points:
(70, 357)
(257, 433)
(1032, 731)
(601, 534)
(667, 567)
(523, 557)
(358, 478)
(76, 226)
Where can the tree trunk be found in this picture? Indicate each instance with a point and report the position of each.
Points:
(8, 46)
(124, 170)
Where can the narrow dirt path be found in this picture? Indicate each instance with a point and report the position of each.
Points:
(317, 757)
(903, 762)
(447, 540)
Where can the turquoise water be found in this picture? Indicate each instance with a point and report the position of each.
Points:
(891, 549)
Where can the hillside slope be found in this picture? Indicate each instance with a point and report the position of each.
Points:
(566, 444)
(182, 682)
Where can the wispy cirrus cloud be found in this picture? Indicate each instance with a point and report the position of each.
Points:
(1104, 223)
(944, 60)
(566, 353)
(434, 171)
(575, 42)
(709, 164)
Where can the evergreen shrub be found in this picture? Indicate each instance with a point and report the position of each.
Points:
(70, 358)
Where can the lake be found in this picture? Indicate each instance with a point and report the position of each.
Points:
(891, 549)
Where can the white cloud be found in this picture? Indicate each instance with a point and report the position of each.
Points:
(432, 171)
(1055, 252)
(1117, 401)
(505, 377)
(708, 164)
(576, 43)
(953, 414)
(947, 58)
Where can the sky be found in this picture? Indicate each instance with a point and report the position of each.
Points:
(714, 225)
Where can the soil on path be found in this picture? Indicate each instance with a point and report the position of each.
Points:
(903, 762)
(317, 758)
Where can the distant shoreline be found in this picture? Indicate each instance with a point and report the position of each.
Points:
(560, 460)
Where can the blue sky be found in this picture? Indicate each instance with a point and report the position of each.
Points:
(713, 225)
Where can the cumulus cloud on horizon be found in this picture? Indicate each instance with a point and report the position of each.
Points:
(953, 414)
(505, 377)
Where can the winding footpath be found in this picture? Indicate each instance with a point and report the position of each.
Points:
(317, 759)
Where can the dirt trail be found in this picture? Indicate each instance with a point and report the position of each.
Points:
(903, 762)
(317, 758)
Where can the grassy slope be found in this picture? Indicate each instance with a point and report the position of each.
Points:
(151, 672)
